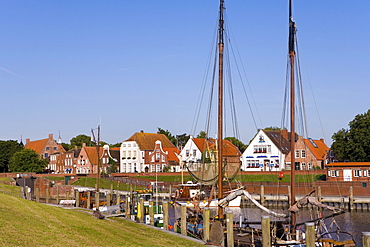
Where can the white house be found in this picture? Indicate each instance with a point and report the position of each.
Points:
(135, 151)
(266, 152)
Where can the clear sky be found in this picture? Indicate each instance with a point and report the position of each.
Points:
(138, 65)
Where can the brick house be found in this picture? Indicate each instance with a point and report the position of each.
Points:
(64, 162)
(160, 157)
(195, 148)
(87, 160)
(135, 151)
(348, 171)
(44, 147)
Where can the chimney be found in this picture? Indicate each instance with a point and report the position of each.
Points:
(83, 145)
(27, 140)
(50, 136)
(141, 131)
(284, 133)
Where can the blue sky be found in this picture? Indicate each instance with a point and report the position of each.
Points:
(138, 65)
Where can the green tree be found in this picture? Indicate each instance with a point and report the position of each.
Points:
(112, 166)
(78, 140)
(169, 135)
(178, 140)
(354, 144)
(182, 140)
(27, 160)
(272, 128)
(202, 134)
(240, 145)
(7, 150)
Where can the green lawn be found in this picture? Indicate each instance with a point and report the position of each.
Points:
(105, 184)
(27, 223)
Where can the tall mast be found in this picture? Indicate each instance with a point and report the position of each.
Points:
(292, 31)
(220, 103)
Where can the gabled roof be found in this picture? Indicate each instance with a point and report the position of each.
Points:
(317, 147)
(172, 154)
(92, 153)
(146, 141)
(228, 149)
(277, 137)
(37, 146)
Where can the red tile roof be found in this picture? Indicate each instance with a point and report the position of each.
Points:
(37, 146)
(146, 141)
(320, 150)
(228, 149)
(348, 164)
(172, 154)
(92, 152)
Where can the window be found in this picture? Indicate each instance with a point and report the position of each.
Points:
(123, 145)
(46, 155)
(303, 165)
(187, 153)
(134, 154)
(123, 154)
(157, 156)
(128, 145)
(194, 152)
(297, 153)
(47, 148)
(334, 173)
(55, 148)
(303, 153)
(358, 173)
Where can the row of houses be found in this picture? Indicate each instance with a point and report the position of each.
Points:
(269, 150)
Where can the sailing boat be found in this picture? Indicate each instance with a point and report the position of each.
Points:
(219, 160)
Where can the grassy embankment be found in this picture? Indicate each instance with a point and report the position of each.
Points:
(247, 178)
(27, 223)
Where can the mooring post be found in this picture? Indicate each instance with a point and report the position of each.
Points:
(47, 195)
(128, 208)
(165, 215)
(230, 228)
(319, 195)
(262, 195)
(206, 224)
(266, 237)
(118, 199)
(88, 206)
(310, 234)
(366, 239)
(111, 189)
(351, 198)
(183, 219)
(108, 197)
(77, 198)
(57, 190)
(97, 200)
(141, 215)
(67, 194)
(151, 212)
(37, 195)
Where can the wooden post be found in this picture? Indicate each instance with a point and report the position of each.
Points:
(88, 200)
(310, 234)
(37, 195)
(47, 195)
(77, 198)
(206, 224)
(67, 194)
(57, 190)
(141, 215)
(128, 208)
(366, 239)
(111, 189)
(230, 228)
(118, 199)
(351, 198)
(183, 219)
(97, 200)
(319, 195)
(108, 197)
(165, 215)
(151, 212)
(262, 195)
(266, 236)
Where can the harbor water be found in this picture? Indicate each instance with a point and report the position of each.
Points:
(353, 223)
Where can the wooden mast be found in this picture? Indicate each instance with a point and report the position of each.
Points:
(292, 30)
(220, 104)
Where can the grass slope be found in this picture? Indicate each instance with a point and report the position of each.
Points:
(27, 223)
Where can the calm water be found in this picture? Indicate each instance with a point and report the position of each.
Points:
(352, 222)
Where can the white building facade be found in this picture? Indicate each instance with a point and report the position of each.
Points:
(266, 152)
(132, 158)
